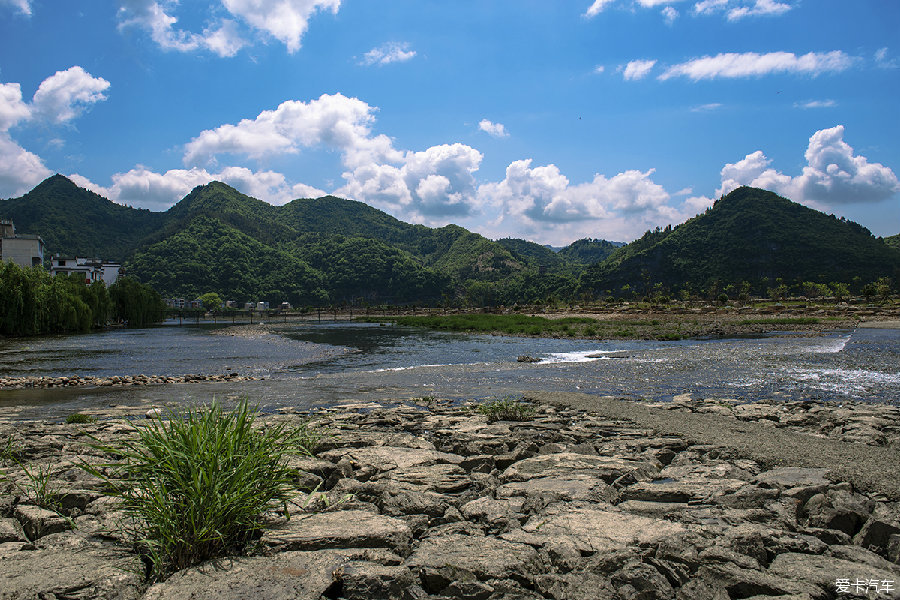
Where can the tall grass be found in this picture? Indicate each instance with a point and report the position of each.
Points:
(198, 483)
(509, 408)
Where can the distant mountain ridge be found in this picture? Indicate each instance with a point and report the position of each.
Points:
(333, 250)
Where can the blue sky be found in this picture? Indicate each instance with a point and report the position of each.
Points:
(549, 121)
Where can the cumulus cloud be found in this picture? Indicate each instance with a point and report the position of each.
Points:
(146, 188)
(494, 129)
(707, 107)
(669, 14)
(752, 64)
(23, 6)
(20, 170)
(738, 9)
(388, 53)
(834, 174)
(638, 69)
(12, 108)
(285, 20)
(597, 7)
(884, 61)
(66, 94)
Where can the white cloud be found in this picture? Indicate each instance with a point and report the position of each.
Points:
(638, 69)
(158, 191)
(12, 109)
(599, 69)
(669, 14)
(597, 7)
(388, 53)
(759, 8)
(752, 64)
(738, 9)
(541, 199)
(883, 61)
(707, 107)
(24, 6)
(494, 129)
(655, 3)
(833, 175)
(333, 121)
(20, 170)
(224, 41)
(66, 94)
(285, 20)
(816, 104)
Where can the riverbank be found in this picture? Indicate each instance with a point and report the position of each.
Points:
(655, 323)
(592, 498)
(21, 383)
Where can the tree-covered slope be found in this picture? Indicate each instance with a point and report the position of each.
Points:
(587, 251)
(749, 235)
(893, 241)
(74, 221)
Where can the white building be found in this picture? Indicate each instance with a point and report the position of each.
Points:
(93, 269)
(26, 250)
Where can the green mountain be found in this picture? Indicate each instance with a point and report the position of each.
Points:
(749, 235)
(587, 251)
(893, 241)
(74, 221)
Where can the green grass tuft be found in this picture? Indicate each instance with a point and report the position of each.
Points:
(197, 485)
(506, 409)
(80, 418)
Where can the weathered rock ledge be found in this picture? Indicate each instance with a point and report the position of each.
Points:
(433, 502)
(18, 383)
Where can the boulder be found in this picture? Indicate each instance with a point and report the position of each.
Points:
(339, 529)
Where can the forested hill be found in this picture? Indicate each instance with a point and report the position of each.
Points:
(74, 221)
(893, 241)
(749, 235)
(309, 251)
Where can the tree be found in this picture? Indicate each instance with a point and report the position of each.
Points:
(211, 301)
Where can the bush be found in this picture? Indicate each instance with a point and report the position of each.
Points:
(506, 409)
(197, 485)
(80, 418)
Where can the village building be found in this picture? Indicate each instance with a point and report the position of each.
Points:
(93, 269)
(26, 250)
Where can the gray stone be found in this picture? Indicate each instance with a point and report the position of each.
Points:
(388, 458)
(568, 487)
(823, 571)
(67, 566)
(38, 522)
(442, 478)
(593, 529)
(11, 531)
(443, 559)
(339, 529)
(563, 464)
(363, 580)
(792, 477)
(285, 576)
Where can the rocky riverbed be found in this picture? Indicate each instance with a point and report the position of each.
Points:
(429, 500)
(19, 383)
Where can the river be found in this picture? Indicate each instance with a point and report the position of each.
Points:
(308, 365)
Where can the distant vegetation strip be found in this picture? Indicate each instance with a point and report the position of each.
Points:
(782, 321)
(524, 325)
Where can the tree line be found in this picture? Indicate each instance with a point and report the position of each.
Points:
(32, 302)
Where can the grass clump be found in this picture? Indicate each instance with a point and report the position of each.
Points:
(80, 418)
(506, 409)
(198, 484)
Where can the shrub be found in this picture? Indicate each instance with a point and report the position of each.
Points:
(197, 485)
(79, 418)
(506, 409)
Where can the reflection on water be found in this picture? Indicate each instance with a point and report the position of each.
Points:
(306, 365)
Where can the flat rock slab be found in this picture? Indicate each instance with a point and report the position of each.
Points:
(562, 464)
(791, 477)
(592, 529)
(387, 458)
(439, 560)
(70, 567)
(339, 529)
(442, 478)
(285, 576)
(825, 571)
(570, 487)
(682, 490)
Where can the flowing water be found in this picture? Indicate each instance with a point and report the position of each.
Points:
(310, 365)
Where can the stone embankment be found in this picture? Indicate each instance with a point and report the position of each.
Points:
(19, 383)
(430, 501)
